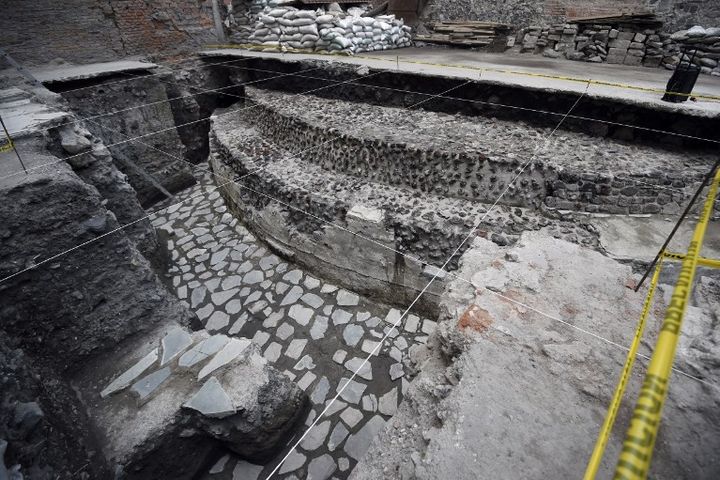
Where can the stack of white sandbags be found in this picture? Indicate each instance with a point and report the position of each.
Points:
(288, 27)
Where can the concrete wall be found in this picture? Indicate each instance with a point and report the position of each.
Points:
(97, 30)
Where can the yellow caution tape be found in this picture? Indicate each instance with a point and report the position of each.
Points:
(634, 462)
(705, 262)
(606, 429)
(6, 147)
(474, 68)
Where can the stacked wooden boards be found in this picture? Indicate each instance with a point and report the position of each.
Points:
(466, 33)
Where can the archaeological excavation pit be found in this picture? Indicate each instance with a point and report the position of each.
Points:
(331, 256)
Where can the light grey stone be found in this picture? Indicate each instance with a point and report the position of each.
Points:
(256, 276)
(319, 327)
(284, 331)
(341, 317)
(305, 363)
(145, 387)
(246, 471)
(388, 403)
(268, 262)
(369, 403)
(294, 461)
(368, 346)
(334, 407)
(233, 306)
(351, 416)
(338, 435)
(231, 282)
(281, 287)
(227, 354)
(352, 392)
(393, 316)
(272, 352)
(254, 296)
(211, 400)
(316, 436)
(396, 371)
(313, 300)
(292, 296)
(293, 276)
(343, 464)
(306, 380)
(311, 282)
(239, 324)
(411, 323)
(347, 299)
(245, 267)
(204, 349)
(273, 319)
(197, 296)
(219, 256)
(296, 348)
(129, 376)
(429, 327)
(358, 444)
(217, 321)
(300, 314)
(220, 465)
(361, 367)
(221, 297)
(362, 316)
(321, 468)
(173, 344)
(353, 334)
(322, 388)
(339, 356)
(261, 338)
(328, 288)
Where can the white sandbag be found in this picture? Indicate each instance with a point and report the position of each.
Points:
(277, 12)
(325, 19)
(384, 25)
(309, 30)
(309, 38)
(268, 20)
(285, 22)
(295, 44)
(357, 28)
(306, 14)
(262, 32)
(308, 44)
(298, 22)
(366, 21)
(342, 41)
(291, 38)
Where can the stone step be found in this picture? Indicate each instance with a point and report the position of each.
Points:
(474, 158)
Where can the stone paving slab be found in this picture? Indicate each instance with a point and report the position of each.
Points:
(300, 322)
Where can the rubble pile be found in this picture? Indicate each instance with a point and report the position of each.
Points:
(271, 25)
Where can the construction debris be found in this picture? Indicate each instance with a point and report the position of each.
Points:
(467, 34)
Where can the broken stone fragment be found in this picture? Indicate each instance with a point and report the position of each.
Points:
(203, 350)
(73, 141)
(211, 400)
(126, 378)
(147, 385)
(174, 343)
(229, 352)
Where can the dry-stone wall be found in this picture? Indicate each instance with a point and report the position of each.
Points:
(269, 24)
(625, 44)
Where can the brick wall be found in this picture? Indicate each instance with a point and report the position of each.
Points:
(100, 30)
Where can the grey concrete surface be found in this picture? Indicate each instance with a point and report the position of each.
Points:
(456, 63)
(68, 73)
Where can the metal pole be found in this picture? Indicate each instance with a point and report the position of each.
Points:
(12, 144)
(679, 222)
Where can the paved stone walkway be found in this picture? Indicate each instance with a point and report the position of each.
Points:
(313, 331)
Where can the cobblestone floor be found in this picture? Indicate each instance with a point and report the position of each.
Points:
(313, 331)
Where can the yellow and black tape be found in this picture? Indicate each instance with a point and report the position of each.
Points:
(637, 450)
(6, 146)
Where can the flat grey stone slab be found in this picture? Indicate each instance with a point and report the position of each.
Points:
(388, 403)
(256, 276)
(353, 392)
(293, 276)
(364, 370)
(300, 314)
(211, 400)
(396, 371)
(358, 444)
(353, 334)
(351, 416)
(321, 468)
(145, 387)
(294, 461)
(292, 296)
(316, 436)
(284, 331)
(204, 349)
(341, 317)
(321, 391)
(320, 325)
(129, 376)
(93, 70)
(296, 348)
(246, 471)
(229, 352)
(174, 343)
(313, 300)
(338, 435)
(347, 299)
(217, 321)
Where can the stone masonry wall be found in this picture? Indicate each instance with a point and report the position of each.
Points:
(101, 30)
